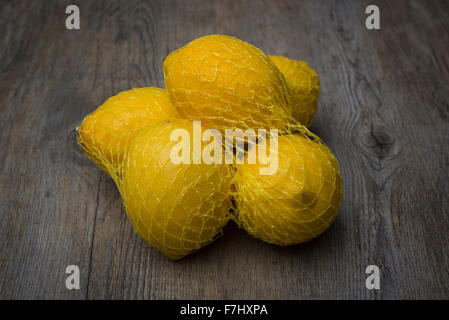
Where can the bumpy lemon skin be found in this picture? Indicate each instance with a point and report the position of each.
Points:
(227, 83)
(304, 87)
(298, 202)
(177, 208)
(105, 134)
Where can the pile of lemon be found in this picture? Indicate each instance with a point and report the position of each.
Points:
(225, 83)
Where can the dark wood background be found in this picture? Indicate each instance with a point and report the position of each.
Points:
(384, 111)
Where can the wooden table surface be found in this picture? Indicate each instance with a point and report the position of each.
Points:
(384, 112)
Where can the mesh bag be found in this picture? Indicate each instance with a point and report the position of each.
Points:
(177, 207)
(297, 202)
(227, 83)
(270, 174)
(304, 88)
(104, 135)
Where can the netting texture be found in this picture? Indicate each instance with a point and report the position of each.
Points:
(105, 134)
(227, 83)
(304, 87)
(178, 208)
(295, 204)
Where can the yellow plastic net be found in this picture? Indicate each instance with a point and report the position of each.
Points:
(105, 134)
(304, 88)
(220, 142)
(295, 204)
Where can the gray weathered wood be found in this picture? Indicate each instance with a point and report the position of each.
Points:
(384, 111)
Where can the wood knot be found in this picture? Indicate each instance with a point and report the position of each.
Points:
(378, 142)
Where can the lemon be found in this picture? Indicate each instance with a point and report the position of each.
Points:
(227, 83)
(177, 208)
(304, 87)
(105, 133)
(295, 204)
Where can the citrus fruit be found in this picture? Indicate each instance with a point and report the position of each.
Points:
(304, 87)
(227, 83)
(105, 133)
(177, 208)
(295, 204)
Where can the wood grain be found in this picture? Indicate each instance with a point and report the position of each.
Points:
(384, 112)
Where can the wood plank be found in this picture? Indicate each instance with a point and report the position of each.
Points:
(48, 189)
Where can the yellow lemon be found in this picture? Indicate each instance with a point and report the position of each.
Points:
(177, 208)
(105, 133)
(295, 204)
(304, 88)
(227, 83)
